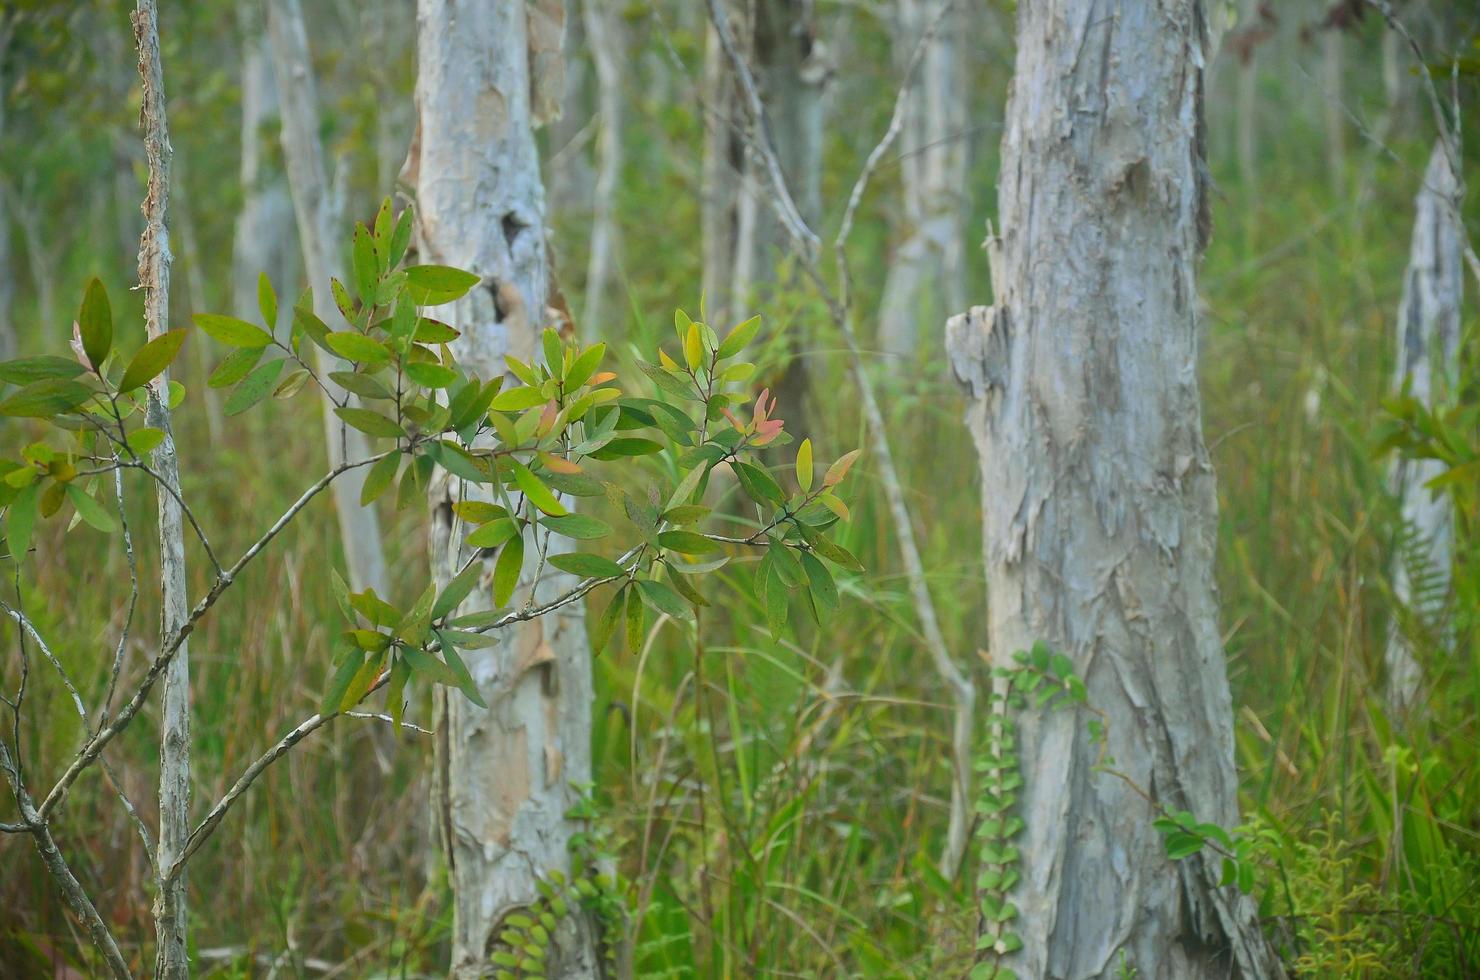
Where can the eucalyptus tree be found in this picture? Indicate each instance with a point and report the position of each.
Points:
(1100, 503)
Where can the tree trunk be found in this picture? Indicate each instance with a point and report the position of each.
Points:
(172, 959)
(9, 344)
(1098, 493)
(723, 169)
(924, 280)
(264, 239)
(323, 259)
(505, 776)
(605, 37)
(1428, 337)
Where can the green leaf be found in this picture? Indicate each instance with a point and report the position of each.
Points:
(151, 360)
(429, 666)
(430, 375)
(457, 590)
(738, 337)
(517, 399)
(538, 494)
(433, 285)
(95, 323)
(687, 543)
(584, 366)
(357, 347)
(339, 683)
(465, 682)
(506, 570)
(45, 399)
(820, 581)
(267, 303)
(478, 511)
(232, 332)
(578, 526)
(635, 618)
(27, 370)
(382, 474)
(400, 240)
(145, 439)
(234, 367)
(20, 519)
(663, 599)
(840, 468)
(254, 387)
(671, 383)
(804, 465)
(493, 534)
(606, 625)
(758, 485)
(90, 510)
(369, 422)
(586, 565)
(1181, 845)
(361, 384)
(366, 270)
(618, 448)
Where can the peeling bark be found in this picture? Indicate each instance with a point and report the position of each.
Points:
(1428, 335)
(504, 776)
(172, 959)
(323, 259)
(1098, 494)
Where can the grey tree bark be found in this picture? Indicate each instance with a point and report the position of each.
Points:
(264, 239)
(1428, 335)
(925, 274)
(504, 776)
(172, 959)
(1098, 494)
(8, 340)
(323, 259)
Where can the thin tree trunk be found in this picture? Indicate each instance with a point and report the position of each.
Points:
(1098, 493)
(605, 37)
(318, 234)
(1334, 114)
(195, 295)
(925, 276)
(172, 960)
(1428, 334)
(265, 238)
(9, 344)
(504, 776)
(724, 165)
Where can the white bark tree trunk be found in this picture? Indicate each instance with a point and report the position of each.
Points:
(606, 38)
(925, 276)
(172, 959)
(1098, 494)
(723, 169)
(1428, 335)
(323, 258)
(504, 775)
(8, 341)
(265, 238)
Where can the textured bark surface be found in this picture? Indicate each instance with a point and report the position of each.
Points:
(323, 258)
(1428, 334)
(504, 775)
(1098, 495)
(925, 274)
(172, 958)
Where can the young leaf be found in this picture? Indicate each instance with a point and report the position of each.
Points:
(538, 494)
(738, 337)
(232, 332)
(95, 323)
(840, 468)
(365, 267)
(457, 590)
(151, 360)
(804, 465)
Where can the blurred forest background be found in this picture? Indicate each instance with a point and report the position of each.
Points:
(777, 805)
